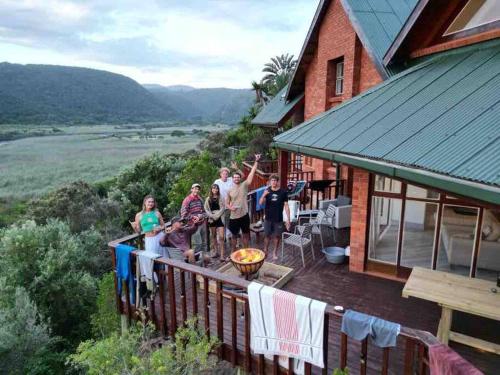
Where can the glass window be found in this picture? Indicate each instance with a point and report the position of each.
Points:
(339, 78)
(474, 14)
(413, 191)
(418, 234)
(387, 185)
(488, 260)
(384, 229)
(458, 229)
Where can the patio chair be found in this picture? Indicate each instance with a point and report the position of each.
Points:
(300, 239)
(318, 223)
(339, 216)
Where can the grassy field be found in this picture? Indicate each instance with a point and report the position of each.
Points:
(35, 165)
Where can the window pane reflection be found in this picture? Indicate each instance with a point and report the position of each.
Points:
(387, 185)
(418, 234)
(384, 229)
(458, 228)
(413, 191)
(488, 261)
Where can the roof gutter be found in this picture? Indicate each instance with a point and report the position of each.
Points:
(478, 191)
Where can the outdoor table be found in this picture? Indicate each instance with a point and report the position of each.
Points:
(455, 292)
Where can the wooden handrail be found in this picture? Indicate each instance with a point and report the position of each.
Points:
(166, 268)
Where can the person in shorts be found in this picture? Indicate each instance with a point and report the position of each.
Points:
(237, 203)
(275, 200)
(214, 207)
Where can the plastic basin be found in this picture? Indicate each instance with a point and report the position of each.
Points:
(335, 255)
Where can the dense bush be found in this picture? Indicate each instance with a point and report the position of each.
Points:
(80, 205)
(24, 335)
(105, 321)
(154, 175)
(58, 269)
(134, 353)
(201, 169)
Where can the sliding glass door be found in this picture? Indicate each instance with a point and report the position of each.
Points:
(412, 226)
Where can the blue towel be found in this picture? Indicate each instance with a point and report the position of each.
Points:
(124, 269)
(358, 325)
(384, 333)
(258, 195)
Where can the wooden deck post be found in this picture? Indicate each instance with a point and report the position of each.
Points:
(283, 168)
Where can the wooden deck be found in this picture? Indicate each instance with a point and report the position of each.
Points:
(330, 283)
(335, 285)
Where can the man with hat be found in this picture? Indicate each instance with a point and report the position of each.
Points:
(193, 213)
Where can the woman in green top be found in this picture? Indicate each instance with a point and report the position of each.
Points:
(149, 221)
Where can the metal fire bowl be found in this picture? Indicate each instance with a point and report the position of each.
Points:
(247, 268)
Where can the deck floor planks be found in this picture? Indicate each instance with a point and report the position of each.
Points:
(335, 285)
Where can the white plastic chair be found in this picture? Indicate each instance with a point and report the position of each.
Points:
(300, 239)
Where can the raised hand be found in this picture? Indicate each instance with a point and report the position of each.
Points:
(257, 157)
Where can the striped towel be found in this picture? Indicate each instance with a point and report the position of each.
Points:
(286, 324)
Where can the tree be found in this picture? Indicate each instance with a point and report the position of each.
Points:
(80, 205)
(279, 72)
(200, 169)
(24, 335)
(259, 89)
(154, 174)
(59, 271)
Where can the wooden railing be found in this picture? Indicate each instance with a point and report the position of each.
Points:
(221, 306)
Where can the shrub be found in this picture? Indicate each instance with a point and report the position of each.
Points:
(134, 353)
(23, 332)
(58, 269)
(105, 321)
(81, 207)
(201, 169)
(178, 133)
(154, 175)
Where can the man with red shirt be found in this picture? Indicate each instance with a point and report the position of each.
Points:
(193, 212)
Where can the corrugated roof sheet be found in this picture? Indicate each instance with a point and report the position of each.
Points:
(442, 115)
(379, 22)
(276, 110)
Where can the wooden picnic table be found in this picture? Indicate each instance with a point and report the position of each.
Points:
(455, 292)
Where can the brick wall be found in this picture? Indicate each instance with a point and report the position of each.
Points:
(359, 220)
(336, 38)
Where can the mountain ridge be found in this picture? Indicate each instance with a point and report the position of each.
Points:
(56, 94)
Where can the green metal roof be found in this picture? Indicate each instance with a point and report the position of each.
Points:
(441, 116)
(378, 22)
(276, 110)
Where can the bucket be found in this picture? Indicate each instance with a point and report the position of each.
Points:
(335, 255)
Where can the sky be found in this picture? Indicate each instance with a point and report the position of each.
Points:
(209, 43)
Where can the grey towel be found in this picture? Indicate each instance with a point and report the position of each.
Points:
(358, 325)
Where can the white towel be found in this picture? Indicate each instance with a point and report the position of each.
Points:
(286, 324)
(146, 263)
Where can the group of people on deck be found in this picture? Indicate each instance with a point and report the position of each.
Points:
(226, 212)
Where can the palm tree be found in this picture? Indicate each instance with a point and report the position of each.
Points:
(279, 71)
(259, 89)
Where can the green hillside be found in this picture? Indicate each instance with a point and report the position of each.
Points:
(212, 104)
(60, 94)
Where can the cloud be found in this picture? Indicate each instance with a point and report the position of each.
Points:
(151, 38)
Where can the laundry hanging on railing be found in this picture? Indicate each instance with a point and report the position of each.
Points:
(146, 263)
(124, 272)
(358, 325)
(286, 324)
(445, 361)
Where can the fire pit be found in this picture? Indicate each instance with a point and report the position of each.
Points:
(248, 261)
